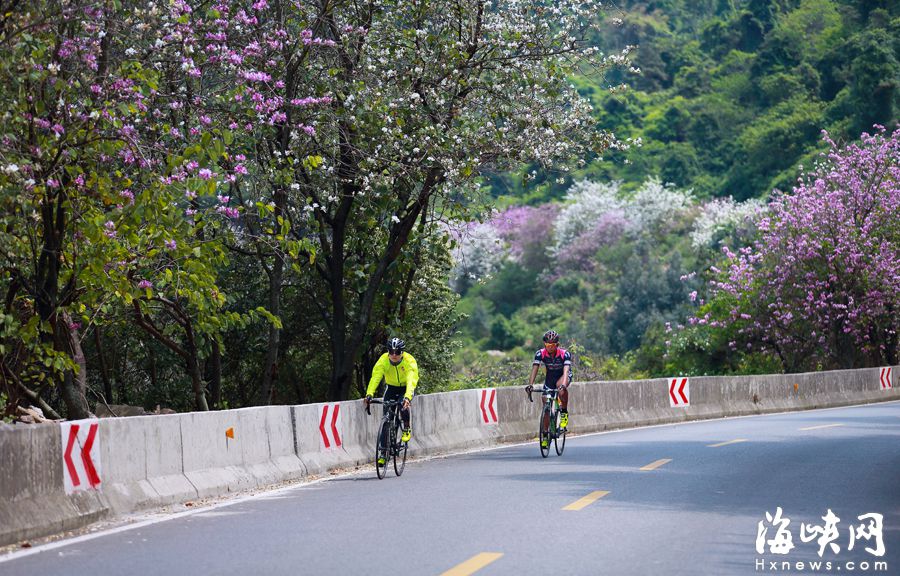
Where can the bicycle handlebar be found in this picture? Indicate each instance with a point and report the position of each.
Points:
(387, 404)
(544, 390)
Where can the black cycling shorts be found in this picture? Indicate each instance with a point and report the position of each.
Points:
(550, 380)
(394, 392)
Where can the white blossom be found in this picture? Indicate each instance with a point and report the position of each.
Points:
(479, 252)
(586, 202)
(655, 202)
(720, 214)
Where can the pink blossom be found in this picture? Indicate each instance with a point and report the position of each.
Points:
(820, 284)
(228, 211)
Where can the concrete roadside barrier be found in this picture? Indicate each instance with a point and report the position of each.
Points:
(151, 461)
(447, 422)
(33, 501)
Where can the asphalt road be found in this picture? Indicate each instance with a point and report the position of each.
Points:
(677, 499)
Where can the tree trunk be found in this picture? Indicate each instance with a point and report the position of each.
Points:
(340, 367)
(187, 352)
(300, 392)
(154, 376)
(73, 387)
(193, 367)
(104, 371)
(214, 374)
(345, 348)
(276, 277)
(192, 362)
(47, 298)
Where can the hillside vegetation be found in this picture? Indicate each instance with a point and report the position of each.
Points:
(730, 104)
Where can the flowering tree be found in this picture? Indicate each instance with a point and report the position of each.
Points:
(655, 203)
(425, 96)
(68, 156)
(529, 234)
(600, 214)
(105, 154)
(721, 215)
(581, 253)
(322, 138)
(819, 287)
(479, 253)
(254, 85)
(586, 204)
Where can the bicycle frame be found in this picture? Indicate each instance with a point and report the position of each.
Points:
(547, 427)
(550, 397)
(388, 444)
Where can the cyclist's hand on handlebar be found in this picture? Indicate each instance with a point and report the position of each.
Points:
(367, 400)
(529, 388)
(405, 404)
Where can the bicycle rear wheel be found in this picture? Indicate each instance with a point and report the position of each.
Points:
(399, 451)
(544, 432)
(382, 449)
(559, 439)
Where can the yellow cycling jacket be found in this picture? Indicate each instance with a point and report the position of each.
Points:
(406, 373)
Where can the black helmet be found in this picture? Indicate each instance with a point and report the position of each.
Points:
(551, 337)
(395, 345)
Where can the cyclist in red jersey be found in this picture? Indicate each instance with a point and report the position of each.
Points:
(558, 364)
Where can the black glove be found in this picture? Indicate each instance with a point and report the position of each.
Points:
(529, 388)
(367, 400)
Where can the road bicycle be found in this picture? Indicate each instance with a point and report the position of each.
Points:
(389, 445)
(548, 426)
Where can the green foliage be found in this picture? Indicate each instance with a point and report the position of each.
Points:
(5, 415)
(510, 288)
(787, 128)
(431, 316)
(648, 294)
(489, 371)
(732, 95)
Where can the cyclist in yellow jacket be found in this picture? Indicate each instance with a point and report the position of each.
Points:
(401, 374)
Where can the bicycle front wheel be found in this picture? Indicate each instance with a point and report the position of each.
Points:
(399, 452)
(559, 439)
(544, 432)
(382, 449)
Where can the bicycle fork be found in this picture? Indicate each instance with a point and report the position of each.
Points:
(549, 421)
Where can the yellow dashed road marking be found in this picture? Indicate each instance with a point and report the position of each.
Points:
(735, 441)
(473, 564)
(822, 426)
(657, 464)
(590, 498)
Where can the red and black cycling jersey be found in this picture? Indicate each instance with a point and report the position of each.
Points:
(554, 364)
